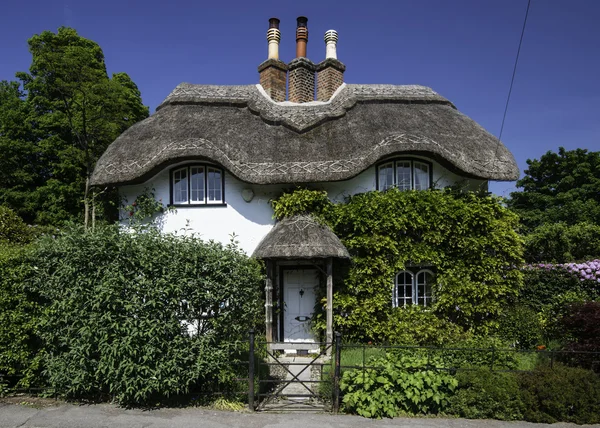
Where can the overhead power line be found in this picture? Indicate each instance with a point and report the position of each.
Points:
(512, 80)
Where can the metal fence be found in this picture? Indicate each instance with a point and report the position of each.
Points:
(249, 378)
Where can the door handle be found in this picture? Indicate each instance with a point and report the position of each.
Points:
(302, 318)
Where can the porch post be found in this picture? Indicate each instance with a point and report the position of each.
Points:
(269, 301)
(329, 301)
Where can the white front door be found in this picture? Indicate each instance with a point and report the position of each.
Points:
(299, 304)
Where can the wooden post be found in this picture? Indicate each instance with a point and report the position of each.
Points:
(329, 302)
(269, 302)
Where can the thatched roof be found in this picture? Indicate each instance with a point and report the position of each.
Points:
(262, 142)
(300, 237)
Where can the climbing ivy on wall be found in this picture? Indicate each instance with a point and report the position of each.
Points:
(470, 241)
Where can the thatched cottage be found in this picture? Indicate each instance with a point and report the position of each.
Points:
(218, 154)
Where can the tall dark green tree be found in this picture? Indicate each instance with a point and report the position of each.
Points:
(559, 205)
(20, 174)
(75, 111)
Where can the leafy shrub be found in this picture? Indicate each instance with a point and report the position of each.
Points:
(480, 352)
(303, 201)
(580, 327)
(483, 394)
(521, 326)
(12, 228)
(143, 210)
(561, 393)
(19, 318)
(561, 243)
(140, 316)
(415, 325)
(397, 384)
(549, 289)
(543, 284)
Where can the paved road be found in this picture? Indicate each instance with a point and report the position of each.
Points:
(105, 415)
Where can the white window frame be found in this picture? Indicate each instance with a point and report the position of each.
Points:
(415, 166)
(399, 290)
(217, 192)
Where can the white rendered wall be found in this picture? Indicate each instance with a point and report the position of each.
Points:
(251, 221)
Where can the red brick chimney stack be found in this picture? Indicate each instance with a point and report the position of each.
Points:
(301, 69)
(273, 71)
(330, 72)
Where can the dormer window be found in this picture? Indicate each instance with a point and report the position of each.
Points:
(405, 174)
(198, 184)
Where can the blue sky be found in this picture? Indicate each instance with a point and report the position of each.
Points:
(463, 49)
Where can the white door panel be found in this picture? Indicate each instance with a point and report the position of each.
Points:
(299, 303)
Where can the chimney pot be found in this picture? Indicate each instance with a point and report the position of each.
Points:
(301, 21)
(301, 36)
(273, 37)
(331, 38)
(274, 23)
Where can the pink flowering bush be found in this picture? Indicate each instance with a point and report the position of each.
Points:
(589, 270)
(586, 270)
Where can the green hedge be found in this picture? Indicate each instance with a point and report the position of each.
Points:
(483, 394)
(113, 311)
(19, 319)
(561, 394)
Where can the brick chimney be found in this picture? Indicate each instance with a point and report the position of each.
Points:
(330, 71)
(273, 71)
(301, 69)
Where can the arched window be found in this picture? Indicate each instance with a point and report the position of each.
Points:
(403, 291)
(424, 280)
(197, 184)
(413, 289)
(405, 174)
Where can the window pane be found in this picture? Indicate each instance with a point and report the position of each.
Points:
(214, 185)
(404, 289)
(386, 176)
(403, 175)
(197, 184)
(421, 176)
(424, 280)
(180, 186)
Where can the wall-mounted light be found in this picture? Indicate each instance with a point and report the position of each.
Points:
(247, 195)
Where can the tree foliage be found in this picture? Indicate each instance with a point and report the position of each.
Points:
(561, 243)
(56, 127)
(559, 206)
(20, 156)
(559, 187)
(470, 241)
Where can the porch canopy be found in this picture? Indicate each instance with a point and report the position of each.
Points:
(299, 237)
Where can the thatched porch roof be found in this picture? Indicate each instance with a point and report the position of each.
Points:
(300, 237)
